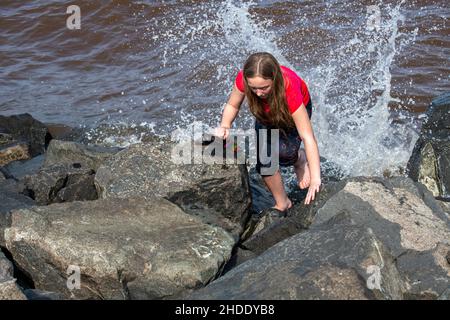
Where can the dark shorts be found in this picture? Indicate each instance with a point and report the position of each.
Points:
(289, 146)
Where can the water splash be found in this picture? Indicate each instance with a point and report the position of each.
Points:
(353, 123)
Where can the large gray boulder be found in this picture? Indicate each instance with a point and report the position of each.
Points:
(68, 152)
(332, 262)
(430, 160)
(369, 239)
(123, 248)
(219, 194)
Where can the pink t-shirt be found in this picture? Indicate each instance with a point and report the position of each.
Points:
(296, 89)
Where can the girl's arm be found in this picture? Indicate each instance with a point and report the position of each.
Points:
(305, 131)
(230, 112)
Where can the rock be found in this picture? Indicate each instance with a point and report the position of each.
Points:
(330, 171)
(262, 232)
(123, 248)
(67, 152)
(6, 268)
(6, 139)
(81, 190)
(268, 231)
(239, 256)
(10, 153)
(24, 127)
(446, 207)
(367, 238)
(61, 182)
(398, 211)
(11, 197)
(9, 290)
(430, 160)
(217, 193)
(335, 261)
(408, 221)
(426, 273)
(2, 177)
(35, 294)
(20, 169)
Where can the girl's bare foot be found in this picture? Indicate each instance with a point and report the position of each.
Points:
(302, 170)
(284, 206)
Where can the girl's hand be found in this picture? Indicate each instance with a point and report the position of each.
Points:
(313, 188)
(222, 132)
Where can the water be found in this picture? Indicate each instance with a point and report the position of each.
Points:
(150, 67)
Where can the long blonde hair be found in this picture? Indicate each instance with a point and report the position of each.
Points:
(264, 65)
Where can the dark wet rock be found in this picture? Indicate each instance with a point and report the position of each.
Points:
(362, 238)
(59, 131)
(124, 248)
(238, 257)
(25, 128)
(6, 268)
(217, 193)
(20, 169)
(67, 152)
(61, 182)
(14, 152)
(78, 189)
(35, 294)
(430, 160)
(330, 171)
(76, 134)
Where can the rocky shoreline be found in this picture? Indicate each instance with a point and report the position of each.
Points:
(88, 222)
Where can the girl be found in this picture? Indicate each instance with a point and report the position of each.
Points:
(279, 99)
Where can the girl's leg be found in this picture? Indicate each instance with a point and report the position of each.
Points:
(275, 185)
(302, 170)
